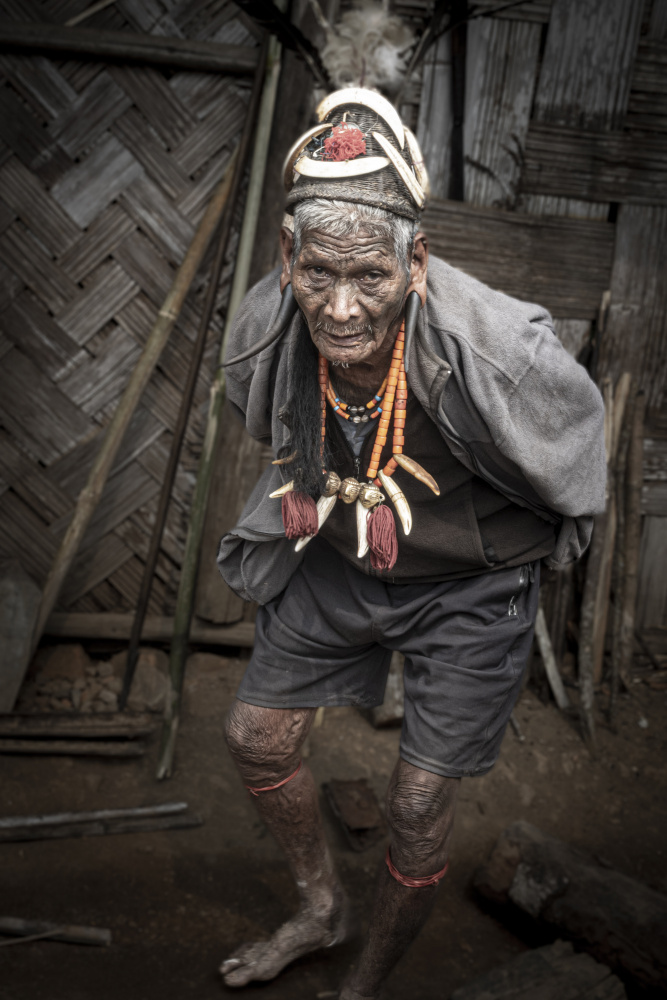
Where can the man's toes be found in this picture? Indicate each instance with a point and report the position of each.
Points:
(237, 969)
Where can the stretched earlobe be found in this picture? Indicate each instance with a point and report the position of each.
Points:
(288, 307)
(412, 306)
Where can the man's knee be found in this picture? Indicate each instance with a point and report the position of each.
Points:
(265, 742)
(420, 810)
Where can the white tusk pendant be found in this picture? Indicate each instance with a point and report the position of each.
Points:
(324, 507)
(287, 488)
(397, 497)
(362, 527)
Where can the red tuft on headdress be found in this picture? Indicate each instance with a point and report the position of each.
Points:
(346, 142)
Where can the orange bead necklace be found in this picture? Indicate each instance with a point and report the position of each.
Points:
(393, 394)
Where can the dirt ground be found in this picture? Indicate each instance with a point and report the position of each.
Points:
(178, 902)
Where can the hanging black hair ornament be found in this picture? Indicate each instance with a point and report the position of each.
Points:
(288, 307)
(412, 306)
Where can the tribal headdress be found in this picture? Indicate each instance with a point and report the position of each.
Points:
(359, 152)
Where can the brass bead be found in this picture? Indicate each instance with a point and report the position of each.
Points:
(331, 484)
(370, 495)
(349, 490)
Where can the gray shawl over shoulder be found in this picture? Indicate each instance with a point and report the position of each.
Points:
(513, 406)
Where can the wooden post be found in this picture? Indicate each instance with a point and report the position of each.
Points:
(186, 590)
(604, 577)
(619, 551)
(633, 493)
(92, 491)
(549, 660)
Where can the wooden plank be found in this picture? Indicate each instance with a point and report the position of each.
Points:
(647, 106)
(68, 748)
(35, 412)
(128, 47)
(87, 189)
(562, 263)
(595, 166)
(100, 239)
(23, 192)
(128, 727)
(501, 66)
(156, 629)
(584, 81)
(106, 291)
(158, 218)
(655, 459)
(587, 64)
(27, 323)
(150, 92)
(652, 595)
(21, 252)
(434, 126)
(635, 337)
(135, 132)
(100, 380)
(90, 115)
(654, 499)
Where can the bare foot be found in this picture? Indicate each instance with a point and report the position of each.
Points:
(307, 931)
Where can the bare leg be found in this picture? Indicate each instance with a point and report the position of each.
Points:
(420, 810)
(265, 744)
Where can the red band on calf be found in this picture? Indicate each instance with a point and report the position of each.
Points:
(271, 788)
(414, 883)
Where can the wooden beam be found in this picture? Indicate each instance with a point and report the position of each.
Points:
(126, 46)
(595, 166)
(562, 263)
(78, 625)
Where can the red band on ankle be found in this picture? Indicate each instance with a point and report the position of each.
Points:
(415, 883)
(270, 788)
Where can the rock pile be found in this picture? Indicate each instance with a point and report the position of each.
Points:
(65, 679)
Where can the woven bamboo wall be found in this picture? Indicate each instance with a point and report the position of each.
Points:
(105, 171)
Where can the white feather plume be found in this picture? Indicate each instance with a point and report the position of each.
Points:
(368, 47)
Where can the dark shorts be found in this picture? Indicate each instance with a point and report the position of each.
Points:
(328, 638)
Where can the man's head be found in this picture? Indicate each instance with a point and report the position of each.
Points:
(352, 267)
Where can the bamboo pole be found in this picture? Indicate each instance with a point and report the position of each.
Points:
(92, 491)
(186, 590)
(128, 46)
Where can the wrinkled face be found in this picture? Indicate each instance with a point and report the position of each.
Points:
(351, 289)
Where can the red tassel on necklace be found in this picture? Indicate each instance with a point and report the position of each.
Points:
(381, 536)
(299, 515)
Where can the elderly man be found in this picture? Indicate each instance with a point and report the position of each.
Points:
(427, 459)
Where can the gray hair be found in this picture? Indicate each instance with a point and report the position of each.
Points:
(346, 218)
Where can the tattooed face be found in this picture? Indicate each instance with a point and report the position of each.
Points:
(351, 290)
